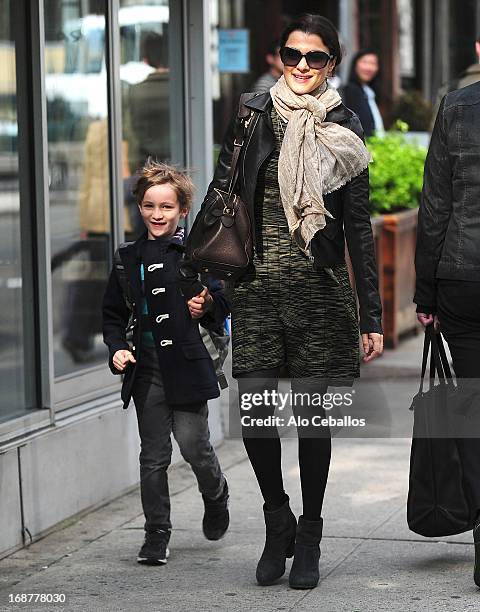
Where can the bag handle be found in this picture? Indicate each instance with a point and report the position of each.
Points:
(426, 350)
(427, 342)
(438, 357)
(238, 141)
(435, 357)
(443, 356)
(439, 366)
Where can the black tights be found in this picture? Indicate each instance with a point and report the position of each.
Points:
(265, 452)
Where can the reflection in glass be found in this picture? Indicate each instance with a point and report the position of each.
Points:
(12, 396)
(78, 157)
(145, 77)
(227, 86)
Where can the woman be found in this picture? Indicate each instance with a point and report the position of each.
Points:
(360, 93)
(304, 177)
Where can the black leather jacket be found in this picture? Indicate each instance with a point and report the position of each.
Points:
(348, 205)
(355, 98)
(448, 238)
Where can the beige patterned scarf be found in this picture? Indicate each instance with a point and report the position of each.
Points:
(316, 157)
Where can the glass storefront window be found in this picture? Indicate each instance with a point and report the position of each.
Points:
(78, 158)
(78, 161)
(146, 92)
(12, 376)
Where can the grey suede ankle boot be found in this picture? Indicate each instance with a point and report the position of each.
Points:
(304, 573)
(279, 544)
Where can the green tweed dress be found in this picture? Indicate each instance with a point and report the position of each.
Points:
(291, 315)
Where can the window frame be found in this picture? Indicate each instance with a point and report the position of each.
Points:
(27, 30)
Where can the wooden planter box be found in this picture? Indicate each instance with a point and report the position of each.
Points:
(398, 275)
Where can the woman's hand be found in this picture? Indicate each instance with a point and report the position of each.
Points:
(122, 358)
(199, 304)
(428, 319)
(372, 346)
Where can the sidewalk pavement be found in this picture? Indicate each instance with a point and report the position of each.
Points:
(370, 560)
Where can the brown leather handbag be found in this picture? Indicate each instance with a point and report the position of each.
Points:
(220, 241)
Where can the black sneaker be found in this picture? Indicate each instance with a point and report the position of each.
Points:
(216, 518)
(154, 550)
(476, 541)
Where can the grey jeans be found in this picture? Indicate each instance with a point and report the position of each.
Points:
(156, 422)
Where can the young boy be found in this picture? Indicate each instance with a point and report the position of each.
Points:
(167, 369)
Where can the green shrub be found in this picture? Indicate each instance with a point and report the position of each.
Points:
(396, 173)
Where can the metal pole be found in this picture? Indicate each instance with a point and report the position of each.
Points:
(198, 96)
(427, 50)
(114, 92)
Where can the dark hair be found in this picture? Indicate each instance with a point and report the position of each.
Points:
(153, 48)
(318, 25)
(155, 173)
(352, 75)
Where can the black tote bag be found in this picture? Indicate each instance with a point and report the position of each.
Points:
(437, 502)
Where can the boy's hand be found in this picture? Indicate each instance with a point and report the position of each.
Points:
(122, 358)
(199, 304)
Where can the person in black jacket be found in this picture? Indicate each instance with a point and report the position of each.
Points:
(447, 258)
(361, 91)
(304, 177)
(168, 370)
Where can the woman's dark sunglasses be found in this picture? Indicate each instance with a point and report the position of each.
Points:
(315, 59)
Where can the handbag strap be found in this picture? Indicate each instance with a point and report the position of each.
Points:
(443, 356)
(238, 141)
(439, 366)
(439, 358)
(426, 350)
(433, 345)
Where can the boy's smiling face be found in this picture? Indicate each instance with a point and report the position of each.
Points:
(161, 211)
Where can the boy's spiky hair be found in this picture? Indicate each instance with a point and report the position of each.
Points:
(156, 173)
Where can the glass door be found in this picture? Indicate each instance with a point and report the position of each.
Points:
(79, 191)
(80, 154)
